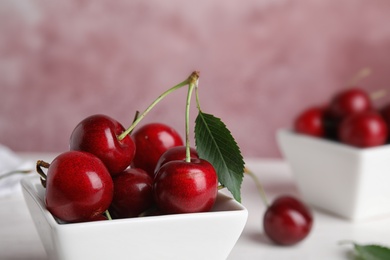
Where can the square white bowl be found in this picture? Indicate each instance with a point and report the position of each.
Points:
(209, 235)
(347, 181)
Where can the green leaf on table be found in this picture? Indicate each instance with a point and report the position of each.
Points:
(215, 144)
(372, 252)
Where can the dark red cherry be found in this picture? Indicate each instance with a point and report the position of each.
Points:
(348, 102)
(185, 187)
(133, 193)
(98, 134)
(310, 122)
(78, 187)
(287, 221)
(366, 129)
(175, 153)
(152, 140)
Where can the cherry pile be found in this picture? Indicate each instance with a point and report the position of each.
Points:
(287, 220)
(113, 172)
(101, 173)
(350, 118)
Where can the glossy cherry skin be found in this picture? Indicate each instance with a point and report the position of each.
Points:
(310, 122)
(133, 193)
(152, 140)
(173, 154)
(78, 187)
(348, 102)
(97, 134)
(185, 187)
(363, 130)
(287, 221)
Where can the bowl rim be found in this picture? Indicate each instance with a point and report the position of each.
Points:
(30, 183)
(291, 133)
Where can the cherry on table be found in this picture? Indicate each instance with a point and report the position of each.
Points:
(78, 187)
(287, 220)
(185, 187)
(97, 134)
(151, 141)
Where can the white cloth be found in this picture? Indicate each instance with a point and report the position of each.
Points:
(9, 161)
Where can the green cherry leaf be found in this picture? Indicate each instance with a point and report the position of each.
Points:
(371, 252)
(215, 144)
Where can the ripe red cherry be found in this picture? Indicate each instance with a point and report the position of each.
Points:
(78, 187)
(185, 187)
(310, 122)
(287, 221)
(97, 134)
(348, 102)
(173, 154)
(365, 129)
(152, 140)
(133, 193)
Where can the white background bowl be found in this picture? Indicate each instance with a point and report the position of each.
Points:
(350, 182)
(209, 235)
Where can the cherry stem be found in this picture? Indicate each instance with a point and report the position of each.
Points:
(258, 185)
(108, 215)
(220, 187)
(136, 115)
(14, 172)
(150, 107)
(43, 164)
(194, 78)
(363, 73)
(378, 94)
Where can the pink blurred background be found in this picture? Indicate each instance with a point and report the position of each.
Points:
(261, 63)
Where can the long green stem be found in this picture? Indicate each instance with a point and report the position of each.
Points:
(258, 185)
(192, 84)
(363, 73)
(150, 107)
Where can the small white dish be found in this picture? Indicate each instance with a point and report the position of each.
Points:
(350, 182)
(209, 235)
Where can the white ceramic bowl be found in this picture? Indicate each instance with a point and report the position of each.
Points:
(350, 182)
(209, 235)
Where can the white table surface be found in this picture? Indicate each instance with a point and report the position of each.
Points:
(19, 239)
